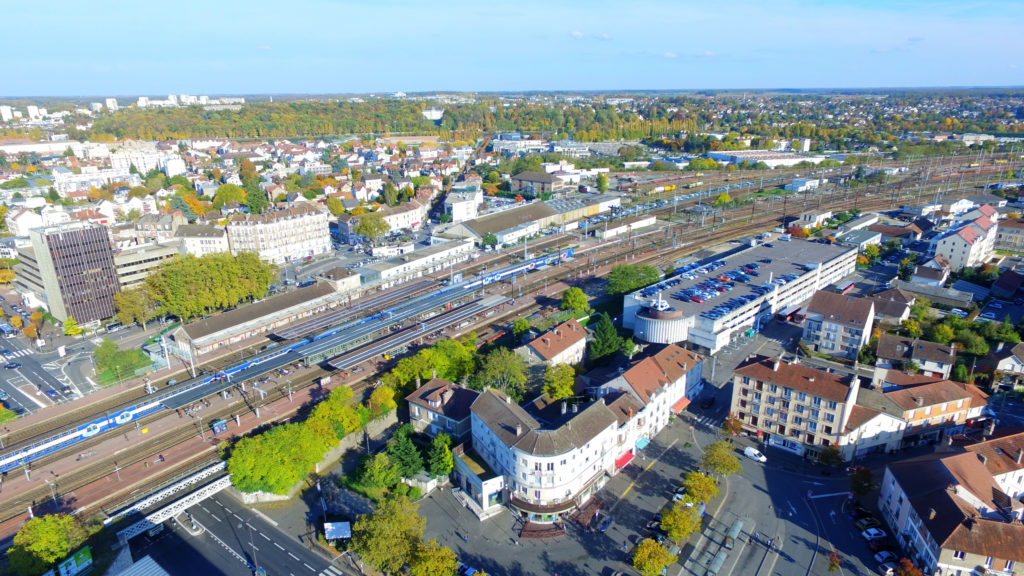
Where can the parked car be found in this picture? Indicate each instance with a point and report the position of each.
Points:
(707, 402)
(604, 523)
(873, 534)
(3, 396)
(865, 523)
(887, 569)
(858, 512)
(12, 365)
(885, 556)
(754, 454)
(880, 545)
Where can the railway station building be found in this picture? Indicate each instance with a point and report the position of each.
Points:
(713, 300)
(196, 339)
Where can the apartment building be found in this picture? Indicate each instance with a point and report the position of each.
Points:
(951, 516)
(935, 409)
(1010, 235)
(838, 324)
(543, 460)
(135, 263)
(281, 236)
(200, 240)
(969, 243)
(70, 269)
(792, 406)
(563, 344)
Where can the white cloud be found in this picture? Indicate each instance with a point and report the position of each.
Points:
(604, 36)
(576, 34)
(670, 55)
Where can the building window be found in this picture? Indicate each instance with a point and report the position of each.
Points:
(988, 562)
(831, 405)
(958, 554)
(551, 466)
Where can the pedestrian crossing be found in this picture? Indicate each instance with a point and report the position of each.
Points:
(331, 571)
(708, 421)
(18, 353)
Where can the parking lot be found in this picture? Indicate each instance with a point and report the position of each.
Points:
(998, 310)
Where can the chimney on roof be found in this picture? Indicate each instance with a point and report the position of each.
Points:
(556, 331)
(418, 382)
(433, 372)
(919, 400)
(983, 458)
(931, 513)
(775, 365)
(1020, 455)
(810, 378)
(519, 428)
(990, 427)
(563, 407)
(545, 341)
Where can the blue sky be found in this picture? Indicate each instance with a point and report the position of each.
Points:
(113, 47)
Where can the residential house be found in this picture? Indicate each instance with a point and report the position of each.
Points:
(159, 227)
(200, 240)
(537, 183)
(906, 235)
(934, 409)
(951, 516)
(935, 272)
(837, 324)
(968, 244)
(440, 406)
(563, 344)
(933, 359)
(813, 219)
(1010, 235)
(891, 307)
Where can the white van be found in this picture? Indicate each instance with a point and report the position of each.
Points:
(754, 454)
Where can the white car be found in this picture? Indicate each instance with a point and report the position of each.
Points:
(754, 454)
(873, 534)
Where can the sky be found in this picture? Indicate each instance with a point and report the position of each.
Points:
(120, 47)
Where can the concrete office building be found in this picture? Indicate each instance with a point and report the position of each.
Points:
(70, 267)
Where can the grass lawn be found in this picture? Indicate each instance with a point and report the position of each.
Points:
(132, 360)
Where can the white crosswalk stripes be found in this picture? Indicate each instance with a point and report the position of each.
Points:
(18, 353)
(331, 571)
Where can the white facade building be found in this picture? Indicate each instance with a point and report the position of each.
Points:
(282, 235)
(202, 240)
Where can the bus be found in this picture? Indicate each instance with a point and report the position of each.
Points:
(846, 287)
(786, 314)
(799, 316)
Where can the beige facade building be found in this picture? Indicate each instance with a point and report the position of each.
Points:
(282, 235)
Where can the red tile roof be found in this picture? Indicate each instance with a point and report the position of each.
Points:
(558, 339)
(796, 376)
(649, 376)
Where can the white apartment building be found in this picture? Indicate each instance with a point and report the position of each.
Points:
(202, 240)
(540, 469)
(970, 243)
(111, 104)
(144, 159)
(65, 181)
(6, 114)
(409, 215)
(282, 235)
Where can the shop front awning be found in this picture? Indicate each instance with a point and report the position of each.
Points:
(681, 405)
(623, 460)
(642, 443)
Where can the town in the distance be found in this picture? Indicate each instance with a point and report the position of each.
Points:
(437, 334)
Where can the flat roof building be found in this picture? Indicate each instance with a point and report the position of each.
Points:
(711, 300)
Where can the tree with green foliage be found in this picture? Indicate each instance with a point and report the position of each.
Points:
(971, 343)
(134, 305)
(871, 252)
(722, 200)
(602, 182)
(440, 460)
(628, 348)
(941, 333)
(911, 328)
(379, 471)
(700, 487)
(277, 459)
(43, 541)
(606, 340)
(432, 559)
(628, 277)
(574, 299)
(732, 425)
(960, 373)
(388, 538)
(335, 206)
(247, 172)
(226, 194)
(830, 456)
(390, 194)
(489, 239)
(189, 287)
(719, 459)
(906, 268)
(520, 327)
(560, 381)
(71, 328)
(650, 558)
(866, 356)
(256, 200)
(404, 452)
(1006, 333)
(504, 370)
(382, 400)
(682, 519)
(372, 225)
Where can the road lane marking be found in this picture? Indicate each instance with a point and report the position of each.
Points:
(265, 537)
(214, 516)
(294, 556)
(311, 569)
(279, 546)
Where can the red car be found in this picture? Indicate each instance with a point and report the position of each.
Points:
(879, 545)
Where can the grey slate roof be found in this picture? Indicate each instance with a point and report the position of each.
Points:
(502, 415)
